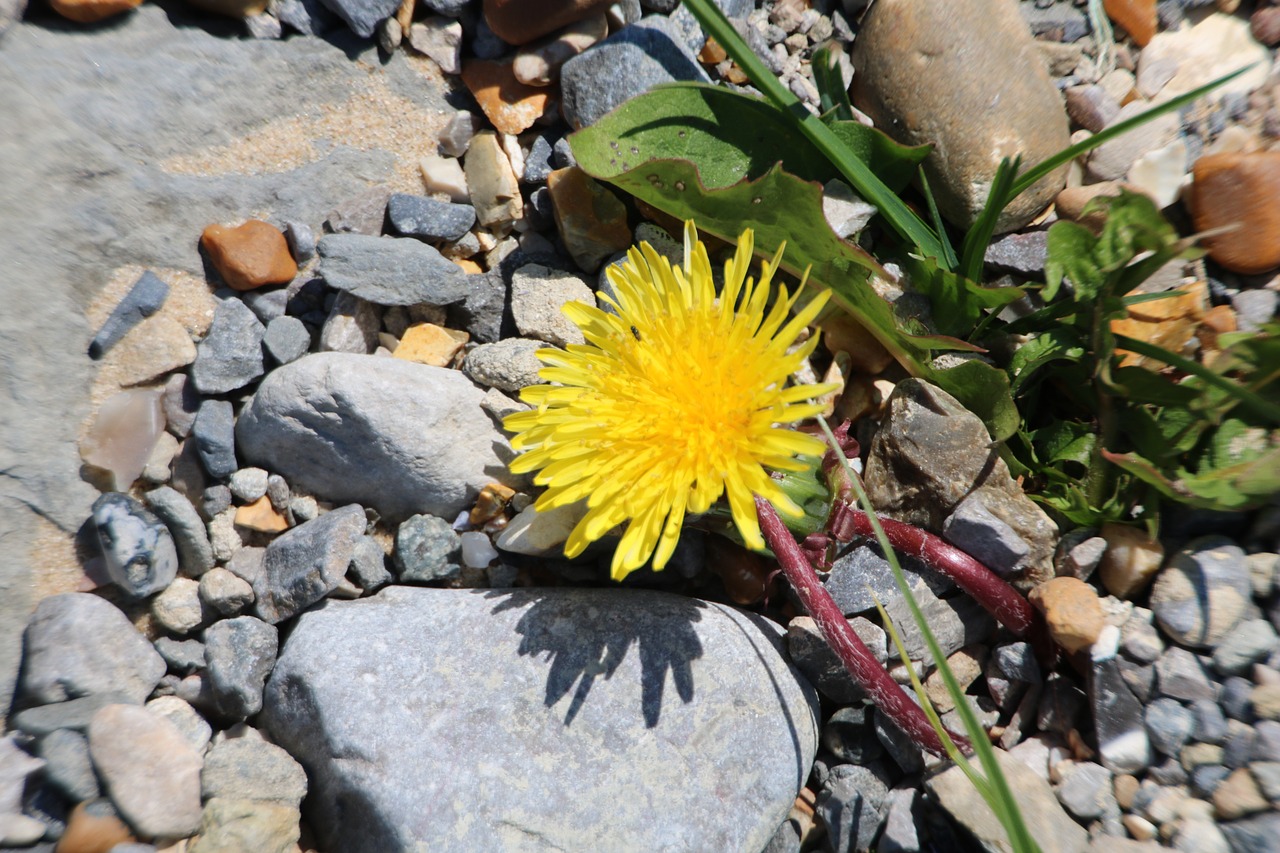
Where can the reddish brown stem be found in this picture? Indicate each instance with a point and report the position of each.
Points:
(887, 695)
(1000, 599)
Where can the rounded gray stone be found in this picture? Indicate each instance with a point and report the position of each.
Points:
(195, 554)
(507, 365)
(400, 437)
(623, 705)
(427, 549)
(249, 768)
(78, 644)
(1200, 595)
(389, 270)
(287, 339)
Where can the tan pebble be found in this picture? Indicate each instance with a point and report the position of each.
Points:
(512, 106)
(842, 333)
(1169, 323)
(539, 65)
(712, 53)
(444, 175)
(1239, 189)
(249, 256)
(1266, 701)
(1130, 561)
(1125, 786)
(1218, 320)
(966, 665)
(468, 266)
(491, 502)
(495, 192)
(440, 40)
(156, 346)
(522, 21)
(1138, 17)
(93, 827)
(89, 11)
(1071, 610)
(1139, 827)
(427, 343)
(261, 516)
(591, 220)
(1072, 202)
(404, 15)
(1238, 796)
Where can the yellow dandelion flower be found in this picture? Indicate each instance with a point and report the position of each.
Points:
(673, 401)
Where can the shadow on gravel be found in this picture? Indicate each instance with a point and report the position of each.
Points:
(588, 640)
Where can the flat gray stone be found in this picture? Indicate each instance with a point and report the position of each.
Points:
(78, 644)
(230, 356)
(67, 764)
(631, 709)
(428, 219)
(240, 653)
(305, 564)
(251, 769)
(195, 554)
(390, 270)
(101, 191)
(400, 437)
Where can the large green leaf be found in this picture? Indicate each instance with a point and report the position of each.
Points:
(730, 136)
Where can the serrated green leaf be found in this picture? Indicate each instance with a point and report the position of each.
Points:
(730, 136)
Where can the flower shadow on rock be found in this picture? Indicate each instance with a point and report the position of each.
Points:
(588, 638)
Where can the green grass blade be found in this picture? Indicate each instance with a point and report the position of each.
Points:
(829, 82)
(874, 191)
(949, 252)
(979, 234)
(1002, 802)
(1258, 405)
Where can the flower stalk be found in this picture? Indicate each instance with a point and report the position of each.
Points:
(887, 695)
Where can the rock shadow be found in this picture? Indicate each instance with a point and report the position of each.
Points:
(586, 637)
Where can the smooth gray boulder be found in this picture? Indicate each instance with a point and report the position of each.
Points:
(626, 720)
(400, 437)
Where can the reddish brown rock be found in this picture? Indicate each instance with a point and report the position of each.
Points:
(249, 256)
(1265, 25)
(512, 106)
(90, 11)
(966, 77)
(1071, 610)
(591, 220)
(1138, 17)
(1239, 188)
(522, 21)
(93, 827)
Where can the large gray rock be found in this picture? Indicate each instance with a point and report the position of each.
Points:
(101, 183)
(78, 644)
(625, 720)
(1200, 596)
(390, 270)
(965, 76)
(931, 453)
(400, 437)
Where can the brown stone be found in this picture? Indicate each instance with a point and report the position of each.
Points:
(1091, 106)
(1238, 796)
(965, 76)
(522, 21)
(1239, 188)
(1265, 25)
(89, 11)
(1130, 561)
(93, 827)
(1071, 610)
(1138, 17)
(842, 333)
(249, 256)
(427, 343)
(512, 106)
(591, 220)
(1071, 202)
(261, 516)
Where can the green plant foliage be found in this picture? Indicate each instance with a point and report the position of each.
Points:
(1101, 439)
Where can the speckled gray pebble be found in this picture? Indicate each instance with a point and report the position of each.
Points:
(67, 764)
(302, 566)
(1199, 597)
(427, 549)
(1252, 641)
(1169, 725)
(225, 592)
(252, 769)
(428, 219)
(973, 529)
(240, 654)
(369, 565)
(507, 365)
(182, 656)
(286, 339)
(179, 403)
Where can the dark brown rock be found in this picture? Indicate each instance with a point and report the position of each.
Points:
(931, 453)
(522, 21)
(967, 77)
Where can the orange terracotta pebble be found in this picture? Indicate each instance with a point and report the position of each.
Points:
(427, 343)
(1219, 320)
(468, 266)
(93, 827)
(1239, 188)
(1071, 610)
(261, 516)
(1168, 323)
(249, 256)
(1138, 17)
(491, 502)
(512, 106)
(591, 220)
(89, 11)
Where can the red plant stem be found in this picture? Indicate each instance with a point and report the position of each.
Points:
(887, 695)
(1000, 599)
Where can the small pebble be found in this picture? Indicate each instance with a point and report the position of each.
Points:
(1071, 610)
(249, 256)
(224, 592)
(178, 608)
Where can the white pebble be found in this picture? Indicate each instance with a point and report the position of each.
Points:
(477, 551)
(444, 175)
(248, 484)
